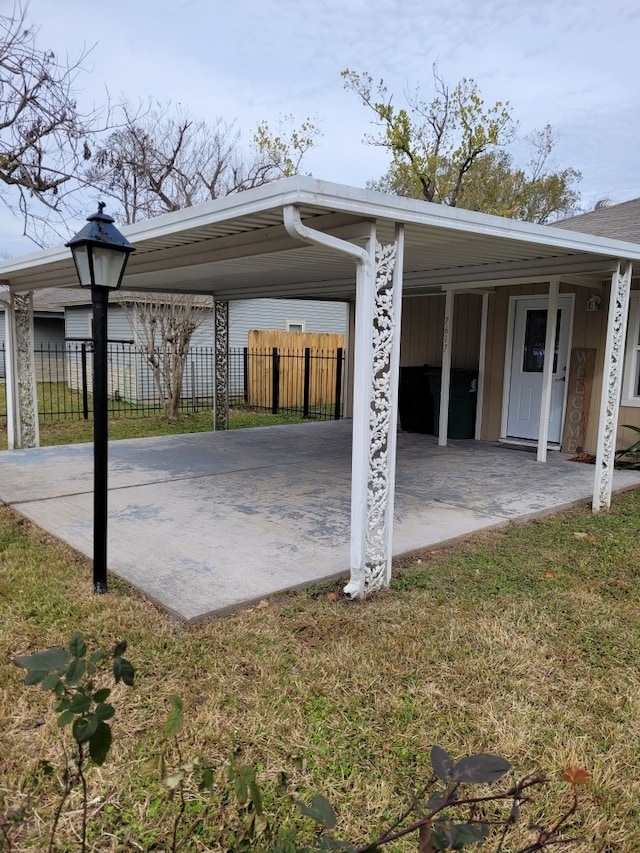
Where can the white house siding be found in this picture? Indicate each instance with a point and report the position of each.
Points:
(277, 313)
(122, 373)
(78, 323)
(243, 315)
(47, 331)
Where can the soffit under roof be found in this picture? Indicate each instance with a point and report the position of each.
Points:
(238, 247)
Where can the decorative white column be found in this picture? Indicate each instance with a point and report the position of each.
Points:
(547, 369)
(221, 366)
(375, 381)
(611, 385)
(443, 425)
(21, 387)
(377, 358)
(392, 387)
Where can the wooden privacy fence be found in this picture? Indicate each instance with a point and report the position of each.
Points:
(294, 370)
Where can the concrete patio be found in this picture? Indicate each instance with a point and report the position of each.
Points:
(209, 522)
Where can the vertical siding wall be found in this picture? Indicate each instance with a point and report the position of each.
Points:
(47, 331)
(422, 331)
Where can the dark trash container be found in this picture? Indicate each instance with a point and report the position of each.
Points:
(415, 401)
(463, 394)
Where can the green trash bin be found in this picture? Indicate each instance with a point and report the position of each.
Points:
(463, 393)
(415, 403)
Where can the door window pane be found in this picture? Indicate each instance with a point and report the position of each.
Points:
(534, 340)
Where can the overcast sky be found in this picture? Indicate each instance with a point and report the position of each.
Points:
(574, 65)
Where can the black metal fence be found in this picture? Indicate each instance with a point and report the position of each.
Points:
(308, 383)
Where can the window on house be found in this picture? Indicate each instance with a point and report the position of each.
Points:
(295, 325)
(631, 386)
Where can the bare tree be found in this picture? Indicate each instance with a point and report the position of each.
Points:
(166, 161)
(166, 323)
(43, 136)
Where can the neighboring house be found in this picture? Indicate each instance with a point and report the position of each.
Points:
(287, 315)
(64, 315)
(130, 377)
(48, 330)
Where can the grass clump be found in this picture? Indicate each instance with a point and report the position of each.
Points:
(522, 642)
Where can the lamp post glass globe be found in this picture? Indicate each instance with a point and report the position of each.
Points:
(100, 252)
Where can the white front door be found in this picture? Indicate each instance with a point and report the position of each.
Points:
(527, 362)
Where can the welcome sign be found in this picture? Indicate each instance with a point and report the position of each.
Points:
(578, 399)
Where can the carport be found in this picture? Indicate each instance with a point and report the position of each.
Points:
(304, 238)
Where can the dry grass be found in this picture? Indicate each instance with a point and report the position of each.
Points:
(524, 642)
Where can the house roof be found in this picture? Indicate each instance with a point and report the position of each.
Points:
(238, 248)
(619, 221)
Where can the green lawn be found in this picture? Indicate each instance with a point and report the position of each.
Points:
(125, 423)
(523, 641)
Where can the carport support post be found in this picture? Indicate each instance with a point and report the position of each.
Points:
(547, 369)
(375, 409)
(611, 385)
(481, 364)
(221, 366)
(22, 402)
(443, 425)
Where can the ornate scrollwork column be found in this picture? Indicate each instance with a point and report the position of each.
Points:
(221, 401)
(21, 385)
(612, 382)
(383, 342)
(380, 419)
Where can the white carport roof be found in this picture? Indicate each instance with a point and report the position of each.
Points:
(237, 247)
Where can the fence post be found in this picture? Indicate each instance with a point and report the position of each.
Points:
(275, 381)
(338, 395)
(85, 391)
(245, 374)
(307, 382)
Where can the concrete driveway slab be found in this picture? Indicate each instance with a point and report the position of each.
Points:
(207, 522)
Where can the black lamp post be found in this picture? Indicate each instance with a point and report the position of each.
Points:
(100, 254)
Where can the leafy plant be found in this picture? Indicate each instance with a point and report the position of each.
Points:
(82, 708)
(445, 817)
(633, 451)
